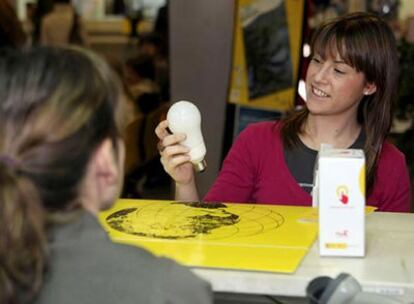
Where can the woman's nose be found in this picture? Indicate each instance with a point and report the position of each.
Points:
(321, 74)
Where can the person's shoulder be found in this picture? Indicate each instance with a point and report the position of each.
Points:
(178, 280)
(161, 271)
(141, 259)
(91, 235)
(391, 158)
(139, 255)
(390, 152)
(87, 254)
(263, 127)
(260, 134)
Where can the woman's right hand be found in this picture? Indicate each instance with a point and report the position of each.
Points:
(174, 156)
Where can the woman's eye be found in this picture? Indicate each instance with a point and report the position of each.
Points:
(339, 71)
(317, 60)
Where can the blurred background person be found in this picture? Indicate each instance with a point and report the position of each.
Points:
(11, 30)
(43, 7)
(140, 76)
(154, 46)
(63, 26)
(134, 12)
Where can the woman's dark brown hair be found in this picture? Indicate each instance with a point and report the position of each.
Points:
(365, 42)
(56, 107)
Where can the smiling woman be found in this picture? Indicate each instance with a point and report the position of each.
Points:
(335, 88)
(351, 83)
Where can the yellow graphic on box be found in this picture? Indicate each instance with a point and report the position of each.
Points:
(362, 180)
(342, 190)
(336, 245)
(220, 235)
(342, 193)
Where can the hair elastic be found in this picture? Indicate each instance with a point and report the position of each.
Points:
(8, 160)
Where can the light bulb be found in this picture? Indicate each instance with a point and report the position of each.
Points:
(184, 117)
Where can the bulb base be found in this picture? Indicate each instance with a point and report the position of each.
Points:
(200, 166)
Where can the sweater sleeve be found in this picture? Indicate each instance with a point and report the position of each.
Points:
(236, 178)
(394, 181)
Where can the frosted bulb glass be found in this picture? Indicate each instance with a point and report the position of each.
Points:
(184, 117)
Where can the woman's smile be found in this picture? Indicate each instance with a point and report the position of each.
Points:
(318, 92)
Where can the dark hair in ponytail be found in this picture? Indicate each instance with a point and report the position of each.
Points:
(56, 107)
(22, 240)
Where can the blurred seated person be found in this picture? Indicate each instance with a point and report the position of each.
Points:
(11, 31)
(140, 80)
(42, 8)
(134, 13)
(117, 7)
(61, 163)
(132, 111)
(161, 23)
(63, 26)
(156, 47)
(140, 76)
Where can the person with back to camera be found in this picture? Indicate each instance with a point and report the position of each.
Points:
(61, 158)
(351, 84)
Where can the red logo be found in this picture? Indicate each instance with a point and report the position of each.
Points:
(342, 194)
(342, 234)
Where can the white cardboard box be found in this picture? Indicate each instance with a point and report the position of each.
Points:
(341, 199)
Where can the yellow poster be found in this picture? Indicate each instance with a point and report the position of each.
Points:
(231, 236)
(266, 53)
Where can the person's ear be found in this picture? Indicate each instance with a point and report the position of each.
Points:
(370, 88)
(105, 176)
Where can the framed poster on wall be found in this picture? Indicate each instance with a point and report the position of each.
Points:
(266, 53)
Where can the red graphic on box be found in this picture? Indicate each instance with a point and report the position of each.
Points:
(342, 234)
(343, 194)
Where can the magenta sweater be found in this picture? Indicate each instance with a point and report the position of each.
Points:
(255, 171)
